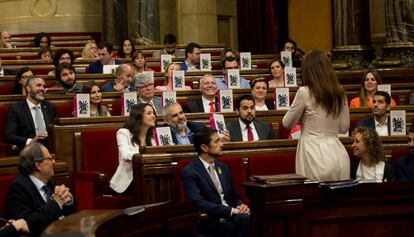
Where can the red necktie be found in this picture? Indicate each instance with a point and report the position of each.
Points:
(212, 109)
(249, 133)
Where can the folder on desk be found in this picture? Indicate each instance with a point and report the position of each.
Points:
(279, 178)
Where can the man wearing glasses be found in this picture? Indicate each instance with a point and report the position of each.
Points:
(33, 194)
(144, 84)
(227, 64)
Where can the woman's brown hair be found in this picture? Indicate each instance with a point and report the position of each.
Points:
(363, 92)
(320, 77)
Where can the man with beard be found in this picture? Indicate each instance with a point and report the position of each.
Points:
(246, 128)
(404, 169)
(181, 129)
(208, 183)
(192, 57)
(170, 47)
(381, 104)
(28, 120)
(66, 78)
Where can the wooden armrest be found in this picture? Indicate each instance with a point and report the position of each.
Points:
(100, 180)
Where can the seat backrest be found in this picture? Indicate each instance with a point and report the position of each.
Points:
(180, 166)
(283, 132)
(4, 110)
(7, 88)
(116, 107)
(271, 164)
(238, 173)
(100, 150)
(396, 153)
(5, 182)
(64, 110)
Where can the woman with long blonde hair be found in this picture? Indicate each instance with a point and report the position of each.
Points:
(90, 50)
(321, 108)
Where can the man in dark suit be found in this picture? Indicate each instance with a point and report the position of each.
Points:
(381, 105)
(192, 57)
(246, 128)
(123, 80)
(144, 86)
(208, 182)
(33, 194)
(208, 102)
(404, 168)
(181, 129)
(28, 120)
(105, 58)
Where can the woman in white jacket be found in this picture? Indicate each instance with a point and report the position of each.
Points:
(136, 133)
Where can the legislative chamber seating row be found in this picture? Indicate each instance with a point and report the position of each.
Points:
(28, 53)
(65, 128)
(64, 103)
(7, 83)
(42, 67)
(156, 169)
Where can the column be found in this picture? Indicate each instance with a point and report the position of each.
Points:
(114, 21)
(144, 21)
(351, 34)
(197, 21)
(399, 49)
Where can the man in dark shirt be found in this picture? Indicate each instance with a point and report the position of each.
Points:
(404, 169)
(33, 194)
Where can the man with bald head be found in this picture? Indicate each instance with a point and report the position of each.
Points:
(123, 80)
(5, 40)
(181, 129)
(28, 121)
(208, 102)
(33, 194)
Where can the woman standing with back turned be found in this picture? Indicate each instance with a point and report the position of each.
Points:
(321, 108)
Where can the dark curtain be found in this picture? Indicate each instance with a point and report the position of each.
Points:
(262, 25)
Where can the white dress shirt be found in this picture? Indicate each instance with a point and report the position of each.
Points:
(33, 113)
(206, 104)
(244, 131)
(382, 130)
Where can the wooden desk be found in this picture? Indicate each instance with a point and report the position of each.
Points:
(169, 219)
(307, 210)
(65, 129)
(155, 171)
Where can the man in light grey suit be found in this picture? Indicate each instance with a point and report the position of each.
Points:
(246, 128)
(144, 84)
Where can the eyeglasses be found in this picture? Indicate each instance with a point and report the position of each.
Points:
(51, 158)
(146, 86)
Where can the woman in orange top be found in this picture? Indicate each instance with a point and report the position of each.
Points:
(369, 84)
